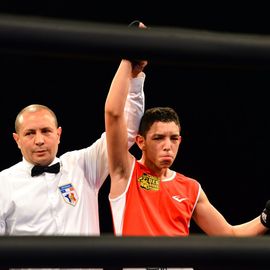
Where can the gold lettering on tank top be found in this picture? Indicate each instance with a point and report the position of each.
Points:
(149, 182)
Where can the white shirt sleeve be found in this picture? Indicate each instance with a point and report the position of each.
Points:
(96, 155)
(134, 107)
(6, 205)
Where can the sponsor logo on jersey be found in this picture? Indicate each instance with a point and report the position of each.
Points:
(149, 182)
(179, 199)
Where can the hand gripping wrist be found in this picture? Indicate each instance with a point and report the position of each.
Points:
(265, 215)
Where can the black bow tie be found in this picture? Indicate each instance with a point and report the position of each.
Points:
(37, 170)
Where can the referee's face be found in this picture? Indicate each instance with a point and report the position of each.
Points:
(38, 137)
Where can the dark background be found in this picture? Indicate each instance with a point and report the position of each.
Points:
(224, 111)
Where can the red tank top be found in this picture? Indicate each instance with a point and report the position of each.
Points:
(155, 207)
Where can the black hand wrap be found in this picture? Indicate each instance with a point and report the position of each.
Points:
(134, 62)
(265, 215)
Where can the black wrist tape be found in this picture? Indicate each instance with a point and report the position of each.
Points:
(265, 215)
(134, 62)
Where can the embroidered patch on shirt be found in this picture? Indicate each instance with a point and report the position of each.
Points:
(149, 182)
(69, 194)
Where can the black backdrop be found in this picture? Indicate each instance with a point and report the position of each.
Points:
(224, 111)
